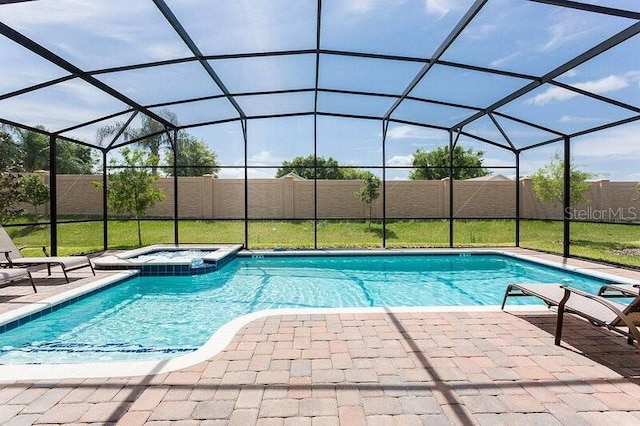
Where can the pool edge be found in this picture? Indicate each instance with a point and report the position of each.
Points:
(216, 344)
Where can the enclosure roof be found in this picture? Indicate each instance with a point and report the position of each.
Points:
(493, 70)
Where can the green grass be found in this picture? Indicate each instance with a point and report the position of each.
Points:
(589, 240)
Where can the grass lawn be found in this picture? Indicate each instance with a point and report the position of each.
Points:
(595, 241)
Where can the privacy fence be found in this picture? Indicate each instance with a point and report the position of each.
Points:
(207, 197)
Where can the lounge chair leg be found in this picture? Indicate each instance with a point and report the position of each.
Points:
(32, 283)
(559, 326)
(560, 319)
(630, 340)
(506, 294)
(64, 271)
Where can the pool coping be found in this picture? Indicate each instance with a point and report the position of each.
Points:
(224, 335)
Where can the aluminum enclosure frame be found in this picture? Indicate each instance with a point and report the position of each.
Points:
(455, 131)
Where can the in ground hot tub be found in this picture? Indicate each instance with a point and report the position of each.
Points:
(169, 259)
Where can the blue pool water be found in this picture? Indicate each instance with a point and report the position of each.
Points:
(193, 256)
(152, 318)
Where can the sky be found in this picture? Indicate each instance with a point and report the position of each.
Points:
(510, 35)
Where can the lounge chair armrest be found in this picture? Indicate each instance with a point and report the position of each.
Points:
(44, 249)
(6, 255)
(603, 301)
(617, 290)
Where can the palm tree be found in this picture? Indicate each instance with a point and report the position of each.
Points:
(148, 126)
(34, 149)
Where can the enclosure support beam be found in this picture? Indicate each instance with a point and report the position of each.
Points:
(246, 186)
(517, 153)
(53, 195)
(105, 204)
(451, 146)
(174, 148)
(566, 241)
(385, 128)
(315, 125)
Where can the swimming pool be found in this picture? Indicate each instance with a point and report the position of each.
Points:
(156, 318)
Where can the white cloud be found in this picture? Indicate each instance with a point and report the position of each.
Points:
(573, 119)
(413, 132)
(262, 158)
(508, 161)
(360, 6)
(604, 85)
(551, 94)
(566, 29)
(440, 8)
(400, 160)
(504, 60)
(94, 34)
(366, 6)
(479, 32)
(607, 84)
(621, 143)
(53, 116)
(238, 173)
(62, 12)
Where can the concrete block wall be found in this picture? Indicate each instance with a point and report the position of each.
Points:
(207, 197)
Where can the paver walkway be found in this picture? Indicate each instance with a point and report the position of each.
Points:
(405, 369)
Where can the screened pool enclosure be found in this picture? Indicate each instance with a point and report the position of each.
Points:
(226, 93)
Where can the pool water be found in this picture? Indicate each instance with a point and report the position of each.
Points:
(193, 256)
(152, 318)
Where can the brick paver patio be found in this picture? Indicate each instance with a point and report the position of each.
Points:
(402, 369)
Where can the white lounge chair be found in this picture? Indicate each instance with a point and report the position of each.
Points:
(14, 257)
(8, 275)
(596, 309)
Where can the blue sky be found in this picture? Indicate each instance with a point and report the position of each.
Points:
(511, 35)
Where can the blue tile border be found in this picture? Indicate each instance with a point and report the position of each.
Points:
(169, 270)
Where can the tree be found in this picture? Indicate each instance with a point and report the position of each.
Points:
(150, 126)
(433, 165)
(327, 169)
(548, 182)
(369, 192)
(34, 149)
(73, 159)
(194, 157)
(132, 190)
(10, 196)
(9, 152)
(30, 149)
(34, 191)
(354, 174)
(303, 167)
(155, 143)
